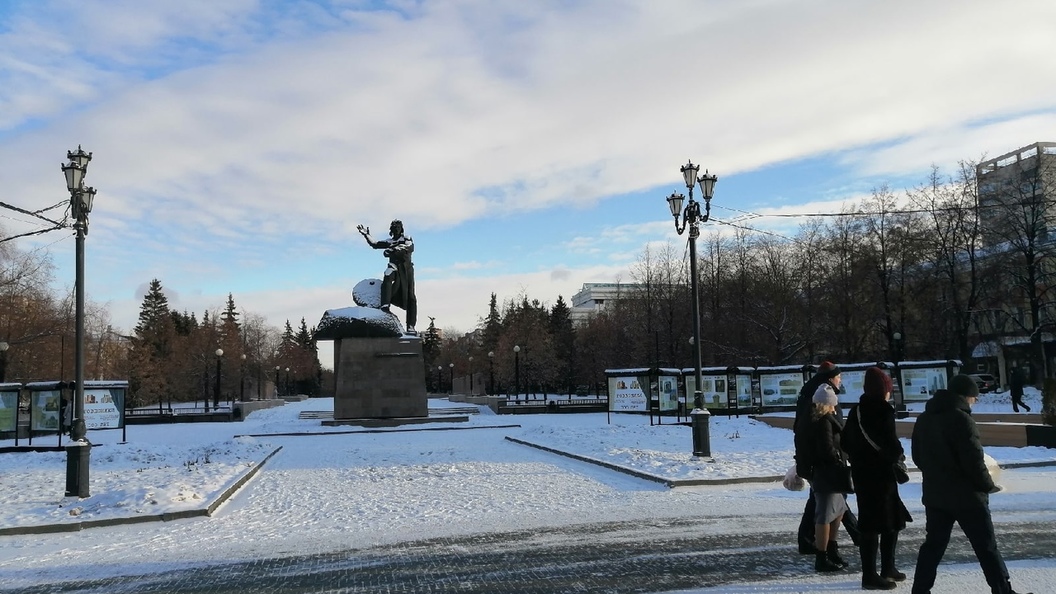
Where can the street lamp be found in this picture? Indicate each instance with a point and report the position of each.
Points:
(517, 368)
(81, 198)
(692, 217)
(439, 379)
(277, 381)
(287, 387)
(216, 391)
(451, 378)
(471, 375)
(897, 337)
(241, 379)
(491, 373)
(3, 360)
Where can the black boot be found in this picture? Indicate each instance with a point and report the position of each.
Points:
(822, 563)
(888, 543)
(833, 553)
(868, 543)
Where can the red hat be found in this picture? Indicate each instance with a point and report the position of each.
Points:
(828, 370)
(877, 382)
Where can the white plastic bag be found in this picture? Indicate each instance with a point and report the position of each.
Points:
(793, 482)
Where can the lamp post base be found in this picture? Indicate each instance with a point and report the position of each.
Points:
(77, 459)
(700, 422)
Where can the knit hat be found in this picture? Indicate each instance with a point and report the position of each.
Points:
(962, 385)
(828, 370)
(826, 395)
(877, 383)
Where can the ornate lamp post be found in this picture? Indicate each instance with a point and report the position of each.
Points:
(216, 390)
(81, 198)
(3, 360)
(277, 367)
(439, 379)
(287, 387)
(471, 375)
(451, 378)
(692, 218)
(517, 368)
(491, 373)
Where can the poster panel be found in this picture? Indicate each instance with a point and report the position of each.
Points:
(668, 391)
(743, 389)
(921, 384)
(44, 410)
(780, 389)
(627, 394)
(713, 389)
(103, 408)
(8, 410)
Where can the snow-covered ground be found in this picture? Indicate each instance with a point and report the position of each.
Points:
(348, 487)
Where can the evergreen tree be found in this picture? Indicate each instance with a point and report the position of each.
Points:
(563, 341)
(492, 328)
(431, 344)
(152, 312)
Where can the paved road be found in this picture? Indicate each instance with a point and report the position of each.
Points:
(611, 558)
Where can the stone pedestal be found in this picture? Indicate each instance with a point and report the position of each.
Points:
(379, 378)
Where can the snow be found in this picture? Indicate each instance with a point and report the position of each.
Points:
(328, 489)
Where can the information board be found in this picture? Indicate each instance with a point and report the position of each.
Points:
(8, 410)
(44, 410)
(627, 395)
(103, 407)
(780, 389)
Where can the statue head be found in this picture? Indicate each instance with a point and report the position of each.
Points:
(396, 228)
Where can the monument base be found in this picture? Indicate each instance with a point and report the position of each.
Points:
(395, 421)
(379, 378)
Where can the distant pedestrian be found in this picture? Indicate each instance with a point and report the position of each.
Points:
(827, 373)
(1015, 385)
(956, 486)
(830, 480)
(873, 446)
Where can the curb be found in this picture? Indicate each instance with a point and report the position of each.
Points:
(353, 432)
(668, 482)
(165, 517)
(673, 483)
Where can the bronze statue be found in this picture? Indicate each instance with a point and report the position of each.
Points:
(397, 286)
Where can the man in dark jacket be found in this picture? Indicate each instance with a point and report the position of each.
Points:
(955, 485)
(828, 373)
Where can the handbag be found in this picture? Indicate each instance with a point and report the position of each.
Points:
(898, 469)
(837, 478)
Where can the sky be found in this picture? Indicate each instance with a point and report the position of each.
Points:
(528, 147)
(341, 488)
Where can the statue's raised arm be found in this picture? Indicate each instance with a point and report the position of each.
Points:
(365, 232)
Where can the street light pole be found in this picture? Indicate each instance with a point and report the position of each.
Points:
(241, 379)
(276, 381)
(216, 391)
(517, 368)
(451, 378)
(81, 198)
(692, 217)
(3, 360)
(491, 373)
(471, 375)
(439, 379)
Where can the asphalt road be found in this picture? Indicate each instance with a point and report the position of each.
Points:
(610, 558)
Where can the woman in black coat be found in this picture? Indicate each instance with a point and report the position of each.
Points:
(873, 446)
(830, 479)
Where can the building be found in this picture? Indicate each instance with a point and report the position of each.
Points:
(1015, 218)
(1013, 191)
(593, 297)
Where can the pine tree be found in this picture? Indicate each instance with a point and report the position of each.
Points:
(153, 311)
(492, 325)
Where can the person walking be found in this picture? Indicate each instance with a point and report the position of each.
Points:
(830, 480)
(1015, 386)
(827, 373)
(872, 444)
(956, 486)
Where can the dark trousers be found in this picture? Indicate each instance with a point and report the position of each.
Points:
(979, 529)
(806, 523)
(1017, 401)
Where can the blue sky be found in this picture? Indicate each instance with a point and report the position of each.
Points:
(528, 146)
